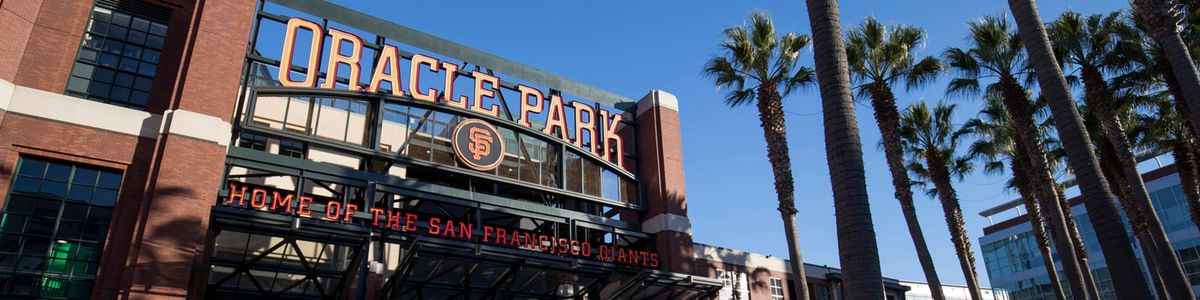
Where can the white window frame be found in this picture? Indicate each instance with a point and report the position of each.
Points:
(776, 288)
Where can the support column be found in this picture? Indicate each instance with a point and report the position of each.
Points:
(660, 168)
(187, 165)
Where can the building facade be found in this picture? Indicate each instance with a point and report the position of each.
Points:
(1016, 268)
(299, 149)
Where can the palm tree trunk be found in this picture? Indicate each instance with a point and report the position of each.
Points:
(1019, 167)
(1116, 179)
(1185, 165)
(939, 173)
(857, 249)
(1186, 154)
(1161, 18)
(1097, 95)
(1077, 242)
(1028, 138)
(770, 113)
(887, 116)
(1123, 266)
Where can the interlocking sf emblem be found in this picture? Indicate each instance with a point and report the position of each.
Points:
(481, 142)
(478, 145)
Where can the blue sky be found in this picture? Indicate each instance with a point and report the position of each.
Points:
(629, 48)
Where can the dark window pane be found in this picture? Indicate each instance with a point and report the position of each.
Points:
(113, 46)
(74, 211)
(99, 90)
(150, 56)
(104, 197)
(87, 55)
(154, 41)
(85, 176)
(58, 172)
(94, 232)
(69, 230)
(46, 208)
(129, 64)
(109, 180)
(117, 32)
(99, 27)
(132, 51)
(109, 59)
(54, 189)
(140, 24)
(35, 246)
(158, 29)
(99, 215)
(20, 205)
(25, 184)
(12, 224)
(147, 69)
(136, 38)
(120, 19)
(40, 226)
(31, 263)
(139, 99)
(120, 93)
(9, 243)
(80, 193)
(32, 168)
(124, 79)
(143, 84)
(104, 75)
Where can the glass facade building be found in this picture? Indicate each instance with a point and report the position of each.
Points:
(1015, 266)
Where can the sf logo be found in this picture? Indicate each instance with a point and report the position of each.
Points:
(478, 145)
(481, 142)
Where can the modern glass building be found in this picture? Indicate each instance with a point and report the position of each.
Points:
(1015, 265)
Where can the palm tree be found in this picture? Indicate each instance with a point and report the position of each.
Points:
(931, 140)
(1096, 45)
(996, 52)
(1161, 19)
(1153, 73)
(843, 151)
(880, 57)
(995, 144)
(759, 67)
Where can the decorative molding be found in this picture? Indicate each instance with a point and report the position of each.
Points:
(657, 98)
(72, 110)
(667, 222)
(196, 125)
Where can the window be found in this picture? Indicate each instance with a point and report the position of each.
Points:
(119, 54)
(53, 229)
(776, 289)
(733, 285)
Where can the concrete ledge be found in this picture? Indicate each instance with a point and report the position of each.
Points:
(667, 222)
(72, 110)
(657, 98)
(196, 125)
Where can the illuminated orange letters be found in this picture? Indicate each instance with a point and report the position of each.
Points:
(336, 58)
(414, 78)
(289, 44)
(610, 135)
(526, 107)
(585, 123)
(480, 92)
(389, 59)
(556, 118)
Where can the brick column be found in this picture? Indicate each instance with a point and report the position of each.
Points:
(661, 170)
(166, 260)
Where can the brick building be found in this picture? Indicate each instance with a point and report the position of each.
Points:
(155, 149)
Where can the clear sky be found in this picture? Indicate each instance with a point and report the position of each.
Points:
(631, 47)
